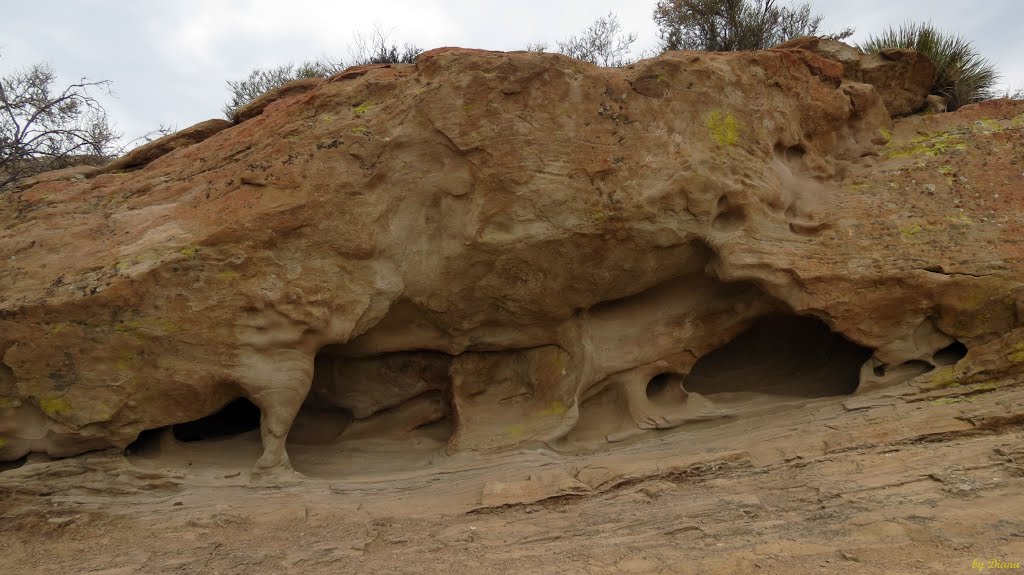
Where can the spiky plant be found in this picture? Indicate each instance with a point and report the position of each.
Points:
(964, 75)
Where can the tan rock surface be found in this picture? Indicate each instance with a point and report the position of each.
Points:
(565, 240)
(707, 313)
(903, 78)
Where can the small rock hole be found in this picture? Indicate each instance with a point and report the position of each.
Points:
(730, 220)
(950, 354)
(8, 465)
(663, 385)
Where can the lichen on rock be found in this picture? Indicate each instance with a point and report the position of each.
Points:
(500, 250)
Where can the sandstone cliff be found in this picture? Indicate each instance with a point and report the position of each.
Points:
(518, 248)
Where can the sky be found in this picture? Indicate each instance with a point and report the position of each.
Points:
(169, 61)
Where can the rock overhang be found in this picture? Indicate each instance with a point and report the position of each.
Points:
(553, 229)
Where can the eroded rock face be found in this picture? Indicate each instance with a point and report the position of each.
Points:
(903, 78)
(520, 247)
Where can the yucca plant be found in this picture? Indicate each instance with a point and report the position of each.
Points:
(964, 75)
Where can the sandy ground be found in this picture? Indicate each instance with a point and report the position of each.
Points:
(902, 480)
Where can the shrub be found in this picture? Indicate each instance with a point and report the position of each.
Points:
(372, 48)
(602, 43)
(46, 127)
(262, 79)
(729, 25)
(964, 76)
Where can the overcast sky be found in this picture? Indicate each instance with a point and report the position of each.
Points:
(169, 60)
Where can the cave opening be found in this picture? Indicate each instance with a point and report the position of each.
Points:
(15, 464)
(373, 413)
(665, 387)
(227, 438)
(950, 354)
(237, 417)
(781, 355)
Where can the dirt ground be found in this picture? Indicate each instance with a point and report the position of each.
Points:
(901, 480)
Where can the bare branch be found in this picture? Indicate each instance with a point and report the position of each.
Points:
(40, 130)
(602, 43)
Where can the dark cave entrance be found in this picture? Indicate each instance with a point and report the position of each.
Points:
(8, 465)
(363, 415)
(781, 355)
(950, 354)
(666, 387)
(213, 437)
(238, 417)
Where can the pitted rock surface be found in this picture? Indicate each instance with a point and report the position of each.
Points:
(512, 249)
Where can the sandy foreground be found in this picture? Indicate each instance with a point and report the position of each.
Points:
(903, 480)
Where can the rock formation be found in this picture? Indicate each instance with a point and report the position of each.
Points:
(518, 248)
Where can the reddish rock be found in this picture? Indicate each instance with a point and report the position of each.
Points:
(150, 151)
(547, 246)
(903, 78)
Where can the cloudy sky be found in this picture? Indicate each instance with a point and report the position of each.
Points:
(169, 60)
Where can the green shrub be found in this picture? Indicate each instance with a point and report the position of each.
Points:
(964, 75)
(732, 25)
(372, 48)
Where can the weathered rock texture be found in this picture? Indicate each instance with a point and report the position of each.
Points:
(903, 78)
(517, 248)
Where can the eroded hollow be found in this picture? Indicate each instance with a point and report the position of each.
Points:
(730, 220)
(783, 355)
(950, 354)
(378, 413)
(362, 416)
(917, 367)
(9, 465)
(227, 439)
(789, 153)
(238, 417)
(665, 387)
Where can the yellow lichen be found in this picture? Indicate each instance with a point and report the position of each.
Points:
(944, 378)
(515, 431)
(907, 232)
(56, 328)
(189, 251)
(3, 442)
(54, 406)
(948, 172)
(723, 128)
(959, 218)
(985, 386)
(934, 145)
(125, 361)
(1016, 355)
(362, 108)
(886, 133)
(988, 126)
